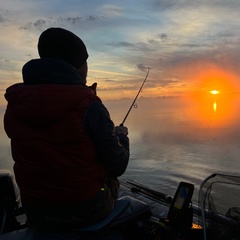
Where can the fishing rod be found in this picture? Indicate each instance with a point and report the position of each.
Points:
(135, 98)
(138, 187)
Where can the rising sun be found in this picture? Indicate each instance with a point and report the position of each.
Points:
(214, 92)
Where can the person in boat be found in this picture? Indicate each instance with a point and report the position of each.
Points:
(67, 152)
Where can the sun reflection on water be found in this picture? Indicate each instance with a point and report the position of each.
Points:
(214, 106)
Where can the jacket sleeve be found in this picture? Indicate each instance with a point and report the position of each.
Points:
(112, 149)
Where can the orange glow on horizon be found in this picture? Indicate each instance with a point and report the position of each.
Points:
(217, 80)
(214, 98)
(213, 110)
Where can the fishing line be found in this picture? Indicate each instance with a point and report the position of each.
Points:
(133, 103)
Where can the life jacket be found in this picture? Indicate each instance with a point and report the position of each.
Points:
(55, 159)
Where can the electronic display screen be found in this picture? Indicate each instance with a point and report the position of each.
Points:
(181, 197)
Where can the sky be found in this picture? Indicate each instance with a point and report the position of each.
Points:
(190, 46)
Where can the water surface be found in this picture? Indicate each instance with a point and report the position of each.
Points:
(172, 140)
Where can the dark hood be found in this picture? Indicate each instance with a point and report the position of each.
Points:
(50, 71)
(51, 89)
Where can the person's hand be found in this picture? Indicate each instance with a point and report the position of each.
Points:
(121, 130)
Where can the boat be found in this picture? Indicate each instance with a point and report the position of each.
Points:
(141, 212)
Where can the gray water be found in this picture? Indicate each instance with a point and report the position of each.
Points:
(172, 140)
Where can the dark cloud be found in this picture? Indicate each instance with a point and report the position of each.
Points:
(42, 24)
(4, 14)
(7, 64)
(122, 84)
(164, 83)
(188, 4)
(2, 19)
(166, 4)
(72, 20)
(140, 46)
(39, 24)
(163, 36)
(225, 34)
(80, 20)
(142, 67)
(163, 40)
(158, 39)
(118, 87)
(174, 58)
(107, 80)
(125, 44)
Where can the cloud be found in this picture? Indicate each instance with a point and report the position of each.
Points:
(112, 10)
(42, 24)
(142, 67)
(177, 39)
(166, 82)
(138, 46)
(125, 44)
(4, 15)
(189, 4)
(2, 19)
(162, 36)
(39, 24)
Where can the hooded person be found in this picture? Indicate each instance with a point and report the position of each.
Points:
(67, 152)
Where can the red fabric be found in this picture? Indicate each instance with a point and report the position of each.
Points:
(54, 157)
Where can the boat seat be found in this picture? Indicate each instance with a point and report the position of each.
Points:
(119, 207)
(126, 209)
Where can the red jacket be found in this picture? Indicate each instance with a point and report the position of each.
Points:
(54, 156)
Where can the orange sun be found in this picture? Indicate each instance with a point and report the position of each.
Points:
(214, 92)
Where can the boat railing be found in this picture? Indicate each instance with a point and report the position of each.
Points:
(206, 217)
(219, 201)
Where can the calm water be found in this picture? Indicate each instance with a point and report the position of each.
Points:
(173, 140)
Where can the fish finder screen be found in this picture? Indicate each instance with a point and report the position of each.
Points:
(182, 195)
